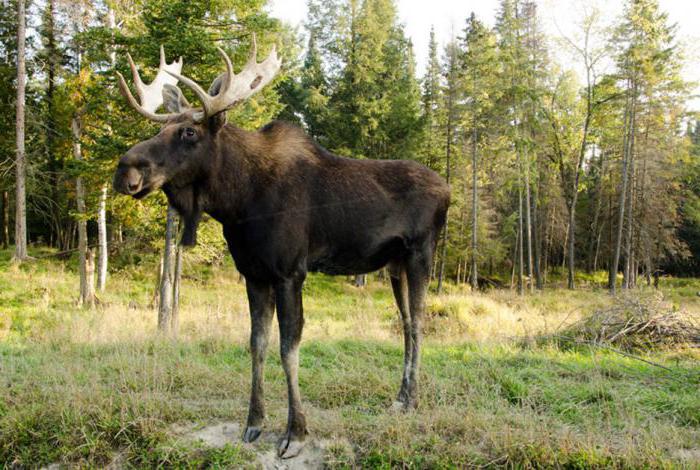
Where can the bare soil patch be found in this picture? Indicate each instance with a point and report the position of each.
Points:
(265, 448)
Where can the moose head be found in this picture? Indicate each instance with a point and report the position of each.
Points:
(181, 151)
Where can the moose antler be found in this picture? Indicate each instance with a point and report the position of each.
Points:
(235, 88)
(151, 95)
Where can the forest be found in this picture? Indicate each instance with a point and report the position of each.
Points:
(575, 210)
(548, 168)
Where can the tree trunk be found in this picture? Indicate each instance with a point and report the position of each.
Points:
(564, 247)
(87, 291)
(175, 317)
(548, 235)
(103, 258)
(537, 242)
(521, 287)
(597, 248)
(89, 279)
(155, 298)
(572, 242)
(629, 118)
(528, 226)
(627, 282)
(514, 258)
(52, 63)
(102, 240)
(596, 226)
(475, 209)
(20, 162)
(5, 219)
(360, 280)
(165, 305)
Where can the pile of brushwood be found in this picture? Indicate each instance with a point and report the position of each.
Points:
(635, 323)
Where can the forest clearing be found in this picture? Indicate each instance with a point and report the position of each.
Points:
(501, 384)
(505, 211)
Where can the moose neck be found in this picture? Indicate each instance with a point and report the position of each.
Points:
(224, 186)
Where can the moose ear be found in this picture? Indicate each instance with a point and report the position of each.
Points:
(173, 99)
(217, 121)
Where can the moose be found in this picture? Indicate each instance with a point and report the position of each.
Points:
(288, 207)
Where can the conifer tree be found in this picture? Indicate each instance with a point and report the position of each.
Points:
(479, 80)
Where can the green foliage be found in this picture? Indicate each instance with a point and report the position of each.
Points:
(363, 101)
(507, 112)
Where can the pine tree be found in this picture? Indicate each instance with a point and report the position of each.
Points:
(451, 98)
(479, 80)
(509, 27)
(315, 93)
(402, 121)
(432, 110)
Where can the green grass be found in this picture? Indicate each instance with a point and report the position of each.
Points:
(84, 388)
(83, 403)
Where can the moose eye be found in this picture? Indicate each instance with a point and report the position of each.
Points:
(189, 134)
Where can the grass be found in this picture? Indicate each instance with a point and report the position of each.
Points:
(86, 388)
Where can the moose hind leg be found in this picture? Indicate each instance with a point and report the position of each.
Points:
(291, 322)
(399, 285)
(417, 273)
(262, 307)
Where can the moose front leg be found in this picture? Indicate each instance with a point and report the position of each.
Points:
(262, 306)
(291, 321)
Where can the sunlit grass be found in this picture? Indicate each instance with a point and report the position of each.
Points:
(88, 386)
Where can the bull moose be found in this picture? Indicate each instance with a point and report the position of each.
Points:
(287, 207)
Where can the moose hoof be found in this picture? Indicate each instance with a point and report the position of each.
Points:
(397, 406)
(400, 406)
(251, 433)
(289, 447)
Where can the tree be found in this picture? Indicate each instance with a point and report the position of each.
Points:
(571, 166)
(20, 160)
(451, 72)
(103, 250)
(480, 75)
(510, 29)
(167, 275)
(649, 75)
(432, 114)
(8, 94)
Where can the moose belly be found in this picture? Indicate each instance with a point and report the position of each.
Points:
(356, 258)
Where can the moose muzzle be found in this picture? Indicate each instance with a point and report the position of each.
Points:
(130, 181)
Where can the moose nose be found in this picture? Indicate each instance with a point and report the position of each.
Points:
(127, 180)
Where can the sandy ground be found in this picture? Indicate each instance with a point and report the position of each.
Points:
(265, 448)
